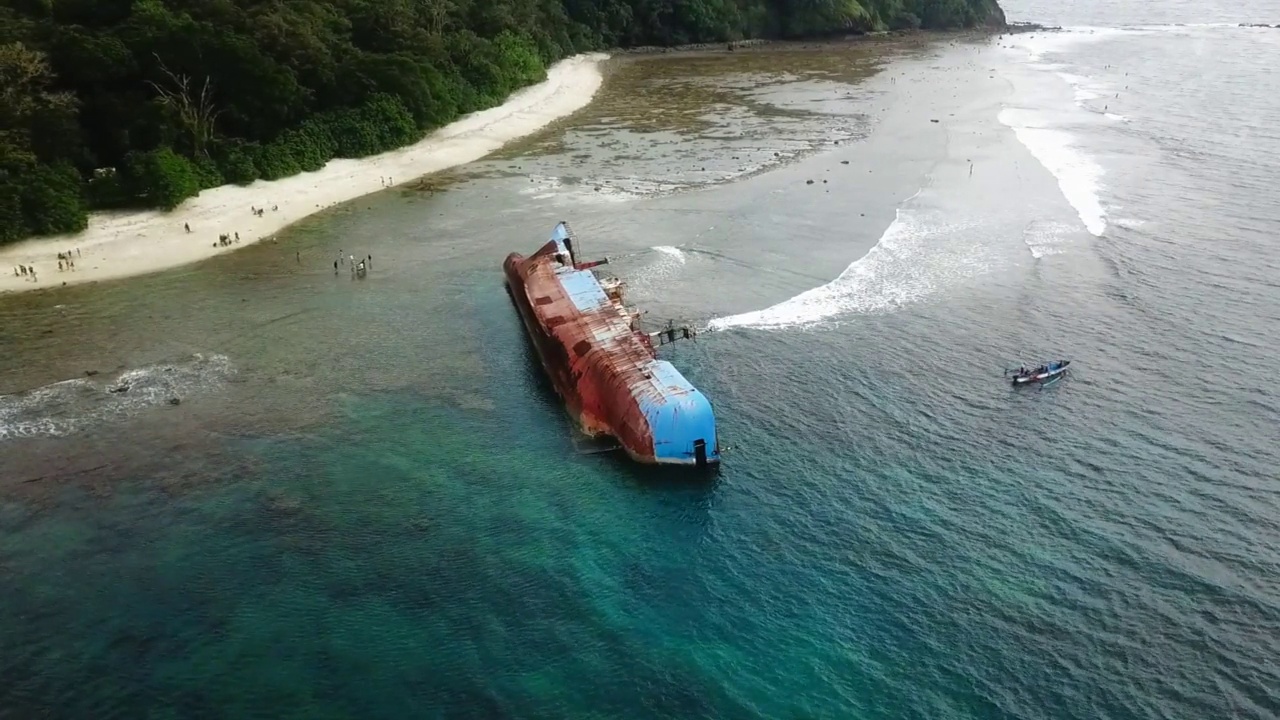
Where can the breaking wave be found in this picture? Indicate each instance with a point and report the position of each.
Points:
(912, 260)
(1078, 175)
(68, 406)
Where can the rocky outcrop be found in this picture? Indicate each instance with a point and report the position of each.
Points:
(995, 17)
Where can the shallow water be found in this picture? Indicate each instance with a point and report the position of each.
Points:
(368, 503)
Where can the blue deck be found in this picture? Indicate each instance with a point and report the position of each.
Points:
(679, 416)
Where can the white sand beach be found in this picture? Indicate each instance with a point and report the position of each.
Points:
(117, 245)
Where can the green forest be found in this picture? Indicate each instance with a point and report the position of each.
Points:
(143, 103)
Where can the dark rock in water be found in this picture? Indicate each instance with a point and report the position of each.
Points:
(174, 401)
(1026, 27)
(90, 373)
(808, 182)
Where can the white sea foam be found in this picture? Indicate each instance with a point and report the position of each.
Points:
(666, 262)
(1078, 176)
(68, 406)
(1036, 45)
(912, 260)
(671, 251)
(1047, 237)
(612, 190)
(1084, 89)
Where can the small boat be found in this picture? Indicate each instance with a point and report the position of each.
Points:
(1044, 373)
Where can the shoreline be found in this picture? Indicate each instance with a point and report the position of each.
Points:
(140, 242)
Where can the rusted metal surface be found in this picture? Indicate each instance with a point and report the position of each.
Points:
(602, 366)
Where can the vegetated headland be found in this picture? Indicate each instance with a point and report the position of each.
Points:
(141, 104)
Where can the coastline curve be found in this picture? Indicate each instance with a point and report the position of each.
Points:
(126, 244)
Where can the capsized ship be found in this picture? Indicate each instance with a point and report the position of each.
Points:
(602, 365)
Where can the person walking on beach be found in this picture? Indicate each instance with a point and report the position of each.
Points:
(237, 237)
(187, 227)
(335, 267)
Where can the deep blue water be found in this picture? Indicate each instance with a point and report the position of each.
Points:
(369, 504)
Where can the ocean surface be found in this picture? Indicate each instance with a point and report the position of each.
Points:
(367, 502)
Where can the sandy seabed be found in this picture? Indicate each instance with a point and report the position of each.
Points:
(118, 245)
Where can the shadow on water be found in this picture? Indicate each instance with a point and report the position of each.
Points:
(701, 481)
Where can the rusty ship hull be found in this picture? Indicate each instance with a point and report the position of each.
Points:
(602, 366)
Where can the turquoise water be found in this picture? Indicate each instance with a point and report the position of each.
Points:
(369, 504)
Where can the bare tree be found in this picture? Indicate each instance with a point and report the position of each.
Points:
(436, 13)
(195, 110)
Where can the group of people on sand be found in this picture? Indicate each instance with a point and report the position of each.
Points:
(66, 261)
(226, 239)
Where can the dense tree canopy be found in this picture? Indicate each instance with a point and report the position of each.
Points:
(109, 103)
